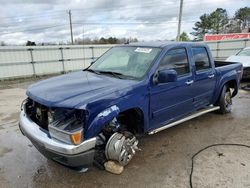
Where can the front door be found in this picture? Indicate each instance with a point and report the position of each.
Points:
(170, 101)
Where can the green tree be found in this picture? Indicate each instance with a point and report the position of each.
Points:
(201, 27)
(112, 40)
(30, 43)
(213, 23)
(243, 15)
(184, 37)
(218, 20)
(102, 40)
(233, 26)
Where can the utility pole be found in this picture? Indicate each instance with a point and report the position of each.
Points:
(179, 23)
(70, 23)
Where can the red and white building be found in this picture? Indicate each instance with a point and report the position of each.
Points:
(230, 36)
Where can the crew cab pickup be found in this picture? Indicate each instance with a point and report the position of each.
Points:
(96, 114)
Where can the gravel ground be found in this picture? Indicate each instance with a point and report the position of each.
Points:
(165, 159)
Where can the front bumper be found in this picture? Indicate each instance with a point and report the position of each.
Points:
(81, 155)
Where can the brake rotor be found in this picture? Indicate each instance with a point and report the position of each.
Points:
(121, 148)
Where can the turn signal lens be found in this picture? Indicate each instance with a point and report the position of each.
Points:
(76, 138)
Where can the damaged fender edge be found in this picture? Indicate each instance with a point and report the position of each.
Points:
(101, 119)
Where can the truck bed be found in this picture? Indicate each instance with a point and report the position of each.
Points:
(225, 67)
(223, 63)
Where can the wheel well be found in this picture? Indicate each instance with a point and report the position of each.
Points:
(133, 119)
(233, 85)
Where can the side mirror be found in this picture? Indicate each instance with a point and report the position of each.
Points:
(166, 75)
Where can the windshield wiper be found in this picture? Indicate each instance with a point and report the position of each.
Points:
(91, 70)
(115, 74)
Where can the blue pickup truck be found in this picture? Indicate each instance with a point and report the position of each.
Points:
(96, 114)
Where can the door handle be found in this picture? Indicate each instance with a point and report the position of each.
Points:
(211, 76)
(189, 82)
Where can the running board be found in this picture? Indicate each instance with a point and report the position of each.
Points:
(194, 115)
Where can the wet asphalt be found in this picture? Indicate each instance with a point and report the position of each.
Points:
(165, 159)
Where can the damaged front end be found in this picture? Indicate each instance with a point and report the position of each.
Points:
(64, 124)
(58, 133)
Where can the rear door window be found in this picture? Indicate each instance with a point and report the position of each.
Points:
(201, 59)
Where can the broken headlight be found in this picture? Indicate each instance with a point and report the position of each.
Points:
(66, 125)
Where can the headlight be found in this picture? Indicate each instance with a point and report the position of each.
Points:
(66, 125)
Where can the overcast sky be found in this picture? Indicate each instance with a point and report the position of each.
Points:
(47, 20)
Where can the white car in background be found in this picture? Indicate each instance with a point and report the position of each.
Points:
(243, 57)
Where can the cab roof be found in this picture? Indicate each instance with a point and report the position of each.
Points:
(163, 44)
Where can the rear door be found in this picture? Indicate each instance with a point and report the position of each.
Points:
(170, 101)
(204, 77)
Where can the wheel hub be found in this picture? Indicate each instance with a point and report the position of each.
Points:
(228, 99)
(121, 147)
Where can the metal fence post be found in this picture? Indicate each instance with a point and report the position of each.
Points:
(245, 43)
(62, 59)
(217, 49)
(32, 61)
(93, 53)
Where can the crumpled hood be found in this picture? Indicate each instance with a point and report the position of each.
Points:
(74, 89)
(245, 60)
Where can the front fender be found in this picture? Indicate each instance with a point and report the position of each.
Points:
(102, 112)
(101, 119)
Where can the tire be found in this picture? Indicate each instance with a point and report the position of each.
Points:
(225, 100)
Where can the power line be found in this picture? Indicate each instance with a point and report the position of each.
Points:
(34, 29)
(32, 15)
(57, 15)
(145, 18)
(110, 23)
(94, 23)
(127, 23)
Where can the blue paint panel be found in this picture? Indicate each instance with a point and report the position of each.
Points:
(160, 104)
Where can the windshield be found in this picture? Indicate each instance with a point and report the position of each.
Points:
(244, 52)
(126, 61)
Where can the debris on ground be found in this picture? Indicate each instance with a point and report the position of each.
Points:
(113, 167)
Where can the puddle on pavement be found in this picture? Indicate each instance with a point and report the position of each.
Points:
(222, 166)
(4, 150)
(5, 86)
(10, 117)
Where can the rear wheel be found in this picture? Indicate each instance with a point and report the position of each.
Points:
(225, 101)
